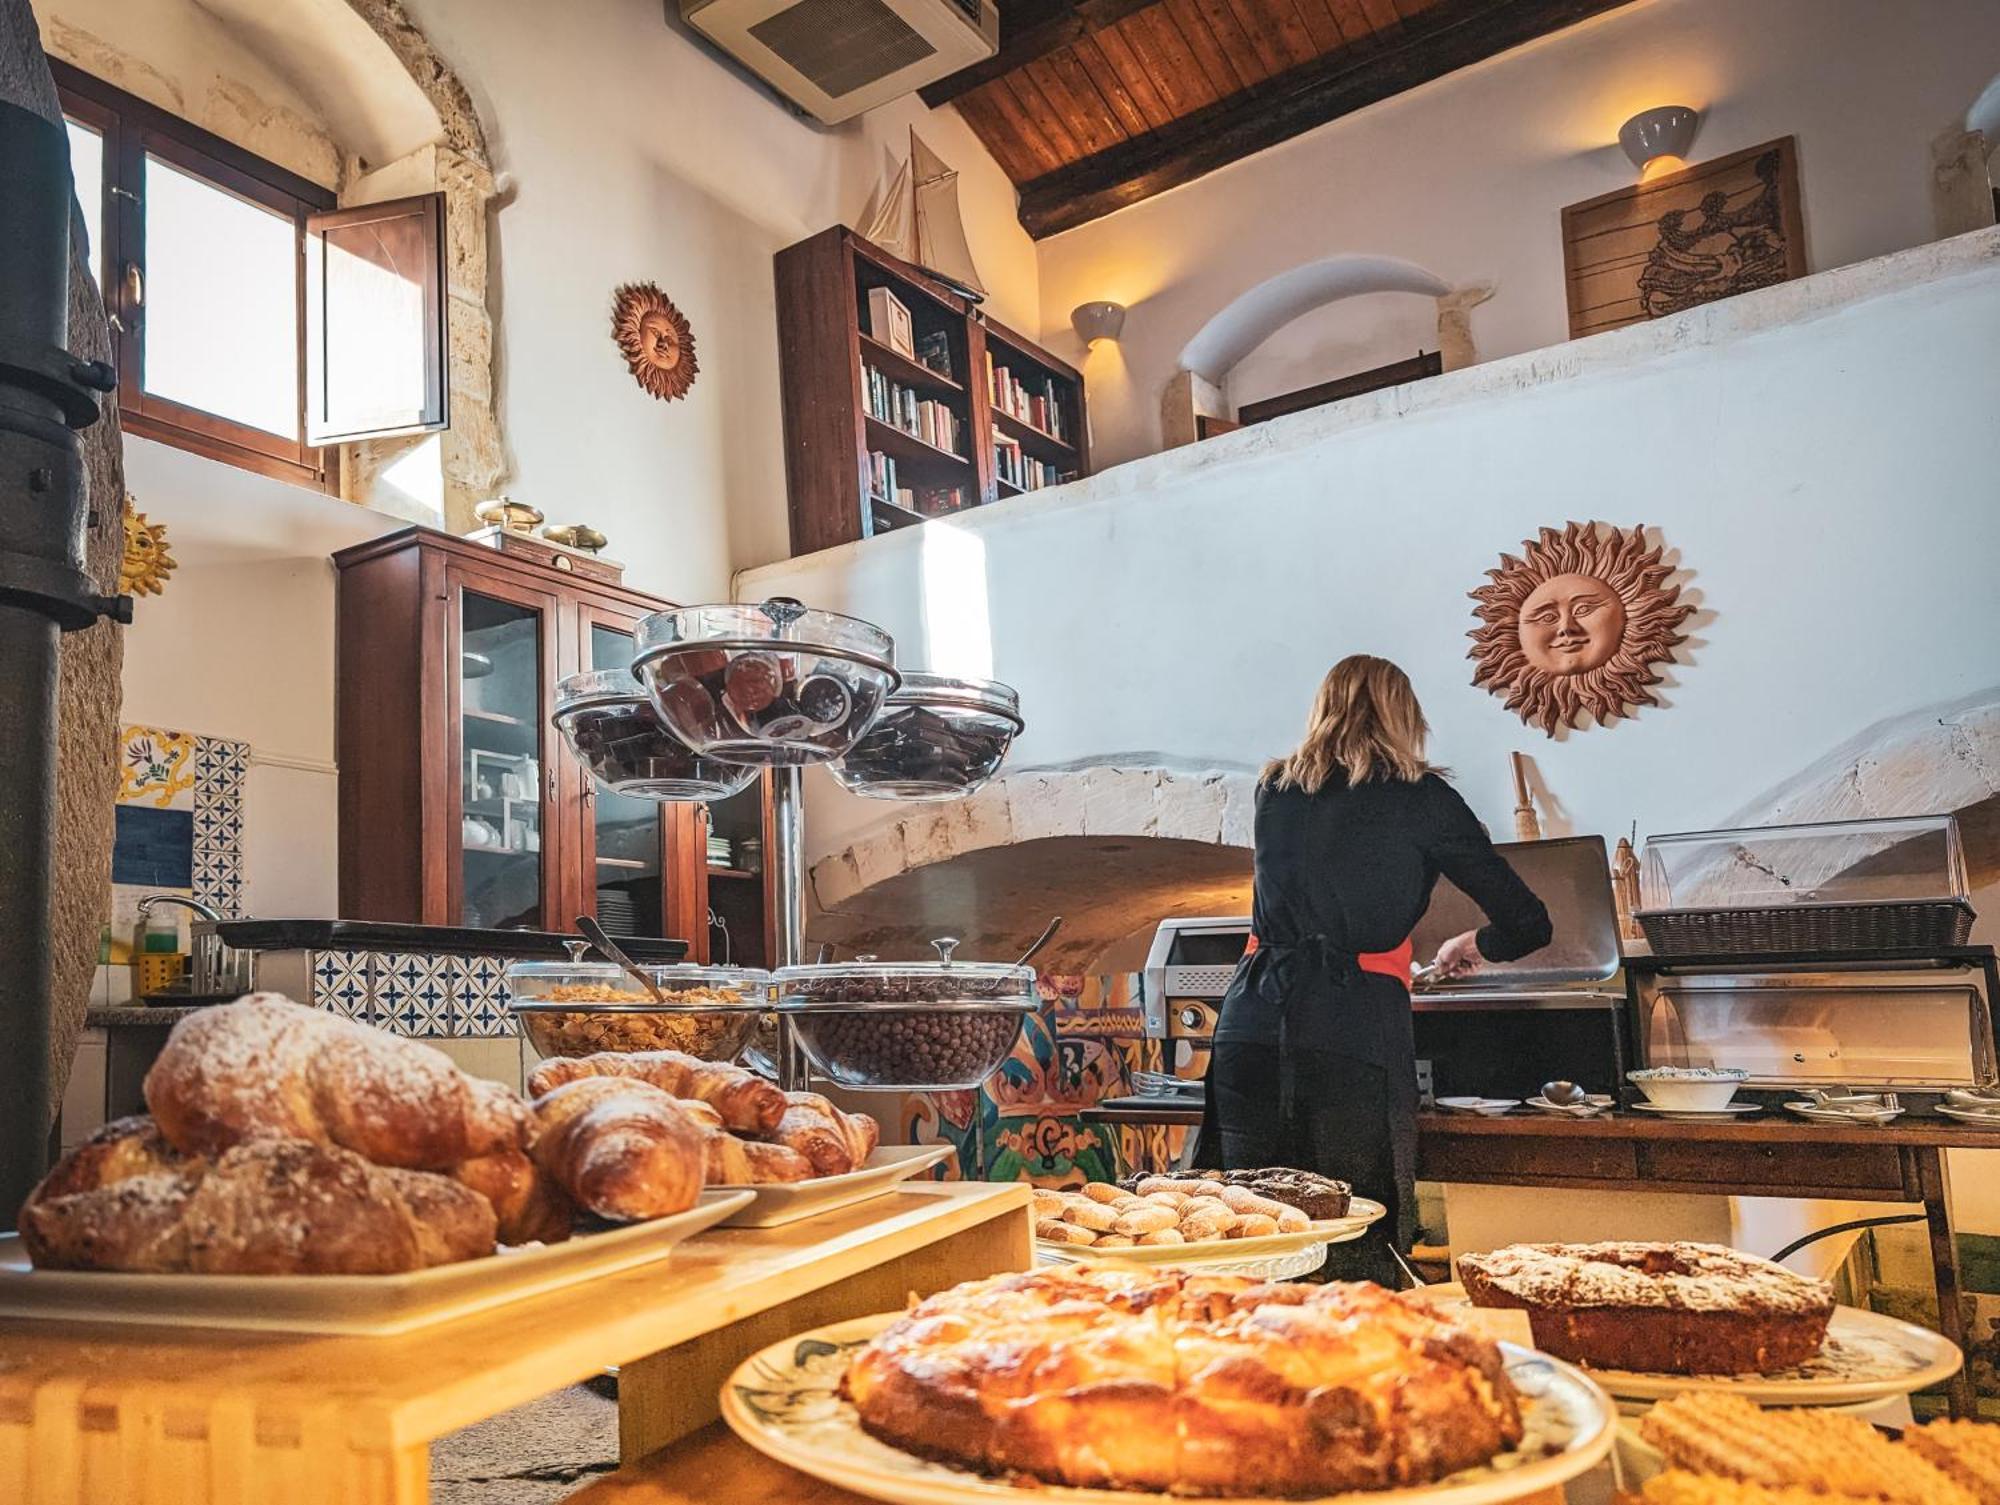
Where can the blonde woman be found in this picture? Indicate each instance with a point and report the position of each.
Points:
(1314, 1064)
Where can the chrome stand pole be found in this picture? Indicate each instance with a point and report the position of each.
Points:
(787, 858)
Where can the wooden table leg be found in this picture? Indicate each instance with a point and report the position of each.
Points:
(1934, 1181)
(667, 1395)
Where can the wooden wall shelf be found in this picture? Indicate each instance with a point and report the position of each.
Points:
(826, 345)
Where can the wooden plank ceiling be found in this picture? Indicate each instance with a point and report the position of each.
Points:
(1092, 106)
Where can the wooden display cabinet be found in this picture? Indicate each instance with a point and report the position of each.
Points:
(460, 803)
(833, 433)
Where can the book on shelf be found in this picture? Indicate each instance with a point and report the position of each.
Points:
(1022, 470)
(905, 408)
(881, 475)
(889, 322)
(934, 351)
(1036, 402)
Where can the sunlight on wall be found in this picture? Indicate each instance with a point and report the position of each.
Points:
(416, 480)
(958, 624)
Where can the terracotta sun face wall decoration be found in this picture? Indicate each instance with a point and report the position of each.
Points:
(1576, 625)
(655, 339)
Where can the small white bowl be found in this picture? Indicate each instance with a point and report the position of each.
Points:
(1688, 1089)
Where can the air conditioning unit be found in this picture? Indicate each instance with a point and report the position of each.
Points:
(836, 58)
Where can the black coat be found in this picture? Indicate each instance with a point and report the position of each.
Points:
(1350, 870)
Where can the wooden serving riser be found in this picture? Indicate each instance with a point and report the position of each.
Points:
(105, 1415)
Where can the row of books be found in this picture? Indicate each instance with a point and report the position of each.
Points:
(1015, 466)
(931, 501)
(908, 410)
(1034, 401)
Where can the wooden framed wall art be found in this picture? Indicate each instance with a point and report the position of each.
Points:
(1687, 238)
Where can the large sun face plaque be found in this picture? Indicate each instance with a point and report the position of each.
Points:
(1577, 625)
(655, 339)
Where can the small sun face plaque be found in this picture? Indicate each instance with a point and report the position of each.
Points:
(1577, 625)
(655, 339)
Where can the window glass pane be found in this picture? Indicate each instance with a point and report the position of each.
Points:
(374, 312)
(221, 302)
(627, 830)
(86, 163)
(500, 737)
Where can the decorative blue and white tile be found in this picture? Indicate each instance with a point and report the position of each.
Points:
(392, 985)
(340, 982)
(479, 996)
(219, 769)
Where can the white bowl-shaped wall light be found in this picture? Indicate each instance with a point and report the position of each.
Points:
(1664, 132)
(1097, 321)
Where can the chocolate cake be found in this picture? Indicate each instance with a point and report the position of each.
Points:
(1675, 1308)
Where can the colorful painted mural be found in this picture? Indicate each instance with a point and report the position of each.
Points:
(1025, 1123)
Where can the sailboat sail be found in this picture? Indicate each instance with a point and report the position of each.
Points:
(918, 219)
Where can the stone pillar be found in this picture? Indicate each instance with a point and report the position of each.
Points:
(1189, 397)
(1961, 183)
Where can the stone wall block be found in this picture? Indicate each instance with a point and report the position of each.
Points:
(469, 331)
(1920, 778)
(1043, 805)
(1190, 809)
(1121, 801)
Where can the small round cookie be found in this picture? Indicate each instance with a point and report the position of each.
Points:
(1254, 1225)
(1162, 1236)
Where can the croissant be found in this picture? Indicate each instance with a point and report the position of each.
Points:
(530, 1206)
(745, 1100)
(120, 1150)
(266, 1207)
(747, 1162)
(266, 1067)
(621, 1149)
(835, 1142)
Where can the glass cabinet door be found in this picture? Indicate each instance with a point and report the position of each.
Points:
(502, 716)
(623, 835)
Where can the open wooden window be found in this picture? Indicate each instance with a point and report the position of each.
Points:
(375, 330)
(201, 250)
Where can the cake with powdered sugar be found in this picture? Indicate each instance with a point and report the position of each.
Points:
(1662, 1308)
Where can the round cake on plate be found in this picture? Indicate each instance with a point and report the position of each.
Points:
(1114, 1376)
(1665, 1308)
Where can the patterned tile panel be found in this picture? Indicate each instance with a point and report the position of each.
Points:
(219, 769)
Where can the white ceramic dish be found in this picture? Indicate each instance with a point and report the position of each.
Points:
(373, 1305)
(1231, 1256)
(1728, 1110)
(780, 1203)
(785, 1403)
(1867, 1357)
(1855, 1114)
(1486, 1107)
(1688, 1089)
(1985, 1119)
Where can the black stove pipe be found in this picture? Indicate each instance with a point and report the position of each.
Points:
(45, 395)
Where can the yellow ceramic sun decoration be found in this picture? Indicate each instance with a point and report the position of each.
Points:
(144, 569)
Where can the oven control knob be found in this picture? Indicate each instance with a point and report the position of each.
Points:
(1191, 1017)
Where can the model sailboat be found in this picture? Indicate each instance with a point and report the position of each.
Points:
(918, 221)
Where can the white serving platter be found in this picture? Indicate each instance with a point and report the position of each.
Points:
(779, 1203)
(368, 1305)
(784, 1401)
(1989, 1120)
(1222, 1255)
(1866, 1357)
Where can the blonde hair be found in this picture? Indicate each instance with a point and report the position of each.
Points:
(1366, 722)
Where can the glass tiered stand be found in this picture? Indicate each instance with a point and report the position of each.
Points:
(718, 693)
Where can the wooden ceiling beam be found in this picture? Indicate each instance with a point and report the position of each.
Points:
(1031, 43)
(1440, 39)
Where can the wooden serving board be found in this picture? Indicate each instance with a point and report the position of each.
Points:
(365, 1305)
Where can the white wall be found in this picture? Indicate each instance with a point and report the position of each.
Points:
(1468, 175)
(636, 156)
(240, 645)
(1816, 456)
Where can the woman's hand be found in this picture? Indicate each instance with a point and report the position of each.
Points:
(1459, 956)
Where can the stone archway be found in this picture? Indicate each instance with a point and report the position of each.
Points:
(1112, 849)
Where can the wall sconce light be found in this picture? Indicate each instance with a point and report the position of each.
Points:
(1652, 134)
(1097, 321)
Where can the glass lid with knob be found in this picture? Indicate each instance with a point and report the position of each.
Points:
(772, 683)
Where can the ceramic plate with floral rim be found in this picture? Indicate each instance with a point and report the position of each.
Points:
(785, 1402)
(1866, 1357)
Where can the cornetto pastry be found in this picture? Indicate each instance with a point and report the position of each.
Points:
(266, 1207)
(1671, 1308)
(1114, 1376)
(1803, 1448)
(621, 1148)
(745, 1101)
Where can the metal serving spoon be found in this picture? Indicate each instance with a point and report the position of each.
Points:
(1040, 941)
(616, 953)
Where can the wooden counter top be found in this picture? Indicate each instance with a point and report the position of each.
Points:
(86, 1411)
(1773, 1127)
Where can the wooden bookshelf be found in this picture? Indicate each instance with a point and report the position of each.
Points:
(825, 343)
